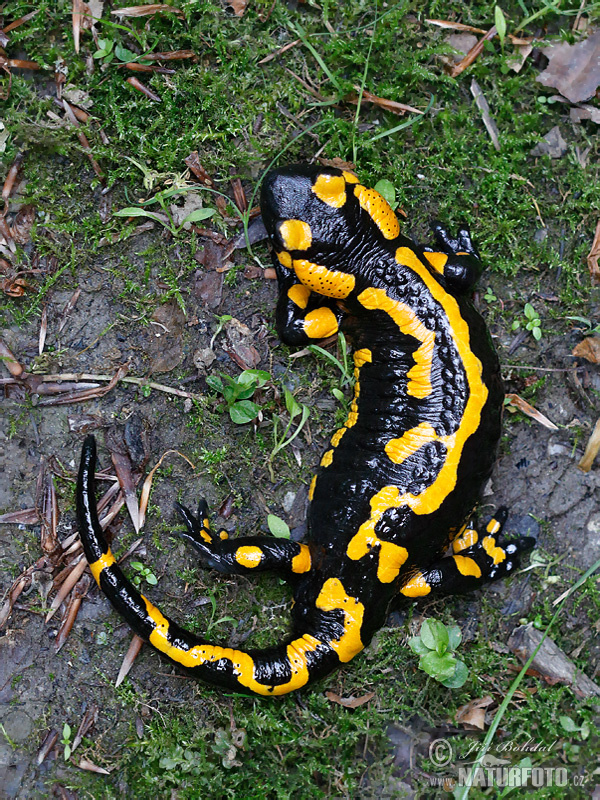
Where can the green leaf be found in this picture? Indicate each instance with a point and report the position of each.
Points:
(278, 527)
(135, 211)
(339, 395)
(67, 754)
(123, 54)
(387, 190)
(292, 404)
(537, 334)
(137, 565)
(243, 412)
(199, 214)
(435, 635)
(500, 22)
(215, 383)
(151, 579)
(439, 667)
(460, 677)
(417, 646)
(454, 636)
(66, 731)
(568, 724)
(529, 311)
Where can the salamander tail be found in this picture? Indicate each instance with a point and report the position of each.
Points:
(268, 672)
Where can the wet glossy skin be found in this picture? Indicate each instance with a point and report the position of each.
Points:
(397, 481)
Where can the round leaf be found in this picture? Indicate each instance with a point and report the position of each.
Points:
(243, 412)
(278, 527)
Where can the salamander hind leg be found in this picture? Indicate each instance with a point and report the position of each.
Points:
(477, 558)
(243, 554)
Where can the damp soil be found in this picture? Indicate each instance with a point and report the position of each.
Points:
(536, 476)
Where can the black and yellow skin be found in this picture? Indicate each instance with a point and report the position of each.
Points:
(399, 479)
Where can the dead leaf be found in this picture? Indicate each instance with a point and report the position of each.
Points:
(237, 6)
(145, 495)
(573, 69)
(240, 345)
(589, 349)
(388, 105)
(49, 741)
(85, 763)
(134, 648)
(193, 164)
(146, 11)
(165, 346)
(591, 449)
(585, 111)
(22, 224)
(143, 89)
(472, 715)
(170, 55)
(211, 256)
(552, 145)
(11, 176)
(43, 330)
(473, 53)
(209, 288)
(483, 106)
(593, 256)
(350, 702)
(530, 411)
(461, 42)
(519, 57)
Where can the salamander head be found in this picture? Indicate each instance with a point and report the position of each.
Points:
(306, 206)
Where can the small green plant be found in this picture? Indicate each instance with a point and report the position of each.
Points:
(109, 49)
(294, 408)
(436, 644)
(143, 574)
(533, 322)
(66, 741)
(489, 295)
(165, 217)
(237, 391)
(212, 623)
(343, 365)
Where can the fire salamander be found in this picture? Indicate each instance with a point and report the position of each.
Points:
(398, 480)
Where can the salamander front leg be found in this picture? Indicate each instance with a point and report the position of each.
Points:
(477, 557)
(243, 554)
(303, 317)
(455, 259)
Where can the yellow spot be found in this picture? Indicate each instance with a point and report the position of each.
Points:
(285, 259)
(468, 538)
(106, 560)
(249, 556)
(328, 282)
(299, 294)
(419, 383)
(379, 210)
(349, 176)
(398, 450)
(417, 586)
(320, 323)
(362, 356)
(497, 554)
(223, 535)
(331, 189)
(295, 234)
(466, 566)
(391, 556)
(332, 597)
(493, 526)
(336, 438)
(327, 458)
(302, 562)
(311, 488)
(437, 260)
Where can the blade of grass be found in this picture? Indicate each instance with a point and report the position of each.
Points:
(406, 124)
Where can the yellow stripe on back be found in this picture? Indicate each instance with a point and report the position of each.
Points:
(379, 210)
(106, 560)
